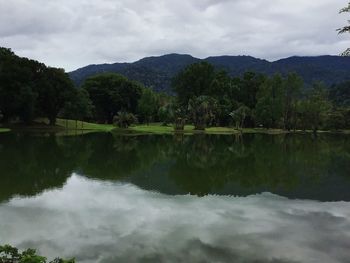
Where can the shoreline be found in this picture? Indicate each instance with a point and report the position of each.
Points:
(71, 128)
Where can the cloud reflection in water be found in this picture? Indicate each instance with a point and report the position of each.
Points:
(112, 222)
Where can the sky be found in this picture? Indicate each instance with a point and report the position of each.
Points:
(74, 33)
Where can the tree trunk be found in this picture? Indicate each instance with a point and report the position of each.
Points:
(52, 121)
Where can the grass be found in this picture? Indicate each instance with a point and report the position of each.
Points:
(82, 125)
(4, 130)
(71, 127)
(62, 127)
(157, 128)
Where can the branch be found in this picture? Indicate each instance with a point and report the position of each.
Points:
(346, 53)
(345, 9)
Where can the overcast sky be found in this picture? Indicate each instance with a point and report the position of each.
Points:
(74, 33)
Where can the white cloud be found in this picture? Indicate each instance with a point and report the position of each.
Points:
(71, 34)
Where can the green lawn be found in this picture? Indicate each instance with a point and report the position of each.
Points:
(4, 130)
(82, 125)
(71, 127)
(157, 128)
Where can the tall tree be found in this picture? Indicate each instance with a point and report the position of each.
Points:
(111, 93)
(54, 90)
(293, 85)
(78, 107)
(315, 108)
(194, 81)
(269, 107)
(147, 105)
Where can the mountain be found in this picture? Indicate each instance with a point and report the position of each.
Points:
(157, 72)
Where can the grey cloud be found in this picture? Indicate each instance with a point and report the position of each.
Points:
(71, 34)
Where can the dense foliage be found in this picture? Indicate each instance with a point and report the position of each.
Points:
(9, 254)
(204, 96)
(29, 89)
(210, 97)
(157, 72)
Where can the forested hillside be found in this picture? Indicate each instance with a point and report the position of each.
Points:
(157, 72)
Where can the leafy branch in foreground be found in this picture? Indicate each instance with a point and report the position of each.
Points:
(345, 29)
(9, 254)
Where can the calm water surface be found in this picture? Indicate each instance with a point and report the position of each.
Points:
(110, 198)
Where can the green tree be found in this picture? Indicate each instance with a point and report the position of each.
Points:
(202, 111)
(111, 93)
(55, 89)
(194, 81)
(9, 254)
(269, 107)
(314, 109)
(345, 29)
(124, 119)
(239, 115)
(336, 119)
(293, 85)
(78, 107)
(166, 113)
(148, 105)
(27, 99)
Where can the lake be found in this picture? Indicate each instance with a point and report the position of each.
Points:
(202, 198)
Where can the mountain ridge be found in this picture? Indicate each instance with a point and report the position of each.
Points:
(157, 71)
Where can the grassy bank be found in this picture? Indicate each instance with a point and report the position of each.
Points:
(82, 125)
(157, 128)
(4, 130)
(71, 127)
(62, 127)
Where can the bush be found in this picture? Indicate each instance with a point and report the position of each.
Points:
(124, 119)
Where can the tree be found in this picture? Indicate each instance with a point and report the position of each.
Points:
(111, 93)
(166, 113)
(9, 254)
(194, 81)
(345, 29)
(269, 107)
(336, 119)
(147, 105)
(246, 92)
(293, 85)
(339, 94)
(78, 107)
(314, 108)
(239, 115)
(27, 99)
(124, 119)
(202, 111)
(55, 89)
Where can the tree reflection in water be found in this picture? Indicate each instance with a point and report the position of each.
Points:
(295, 166)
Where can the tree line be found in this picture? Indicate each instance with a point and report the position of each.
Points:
(203, 96)
(209, 97)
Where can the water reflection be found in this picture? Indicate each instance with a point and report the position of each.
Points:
(113, 222)
(296, 166)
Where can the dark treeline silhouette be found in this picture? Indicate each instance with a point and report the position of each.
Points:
(204, 97)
